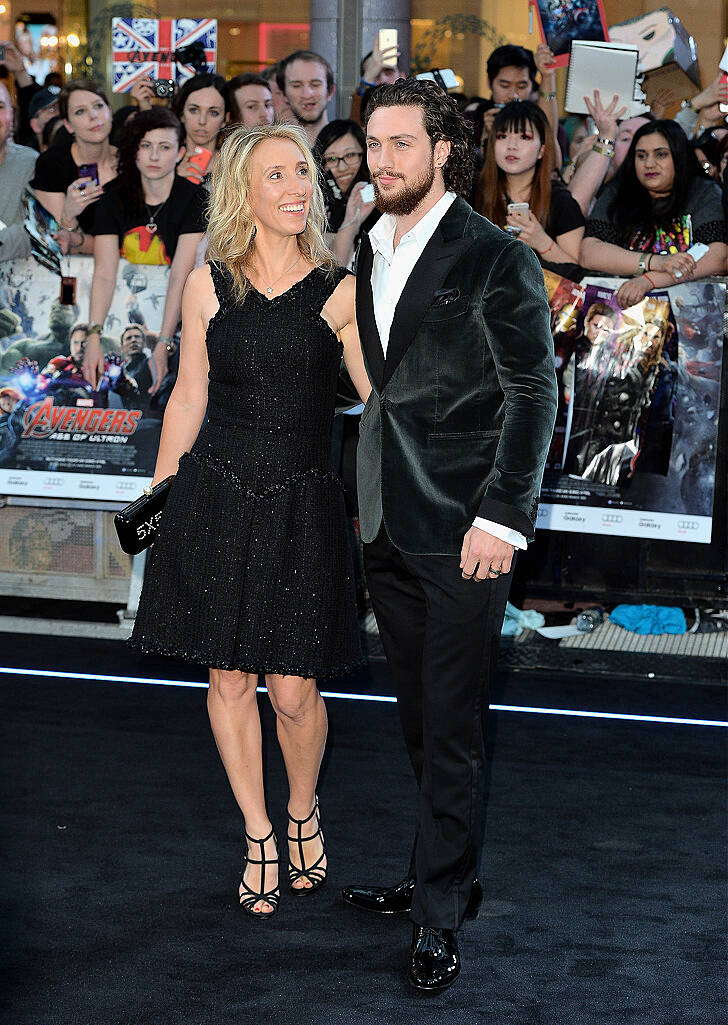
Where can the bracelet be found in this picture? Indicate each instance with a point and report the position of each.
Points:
(603, 150)
(69, 227)
(642, 264)
(605, 141)
(547, 96)
(650, 280)
(542, 252)
(95, 329)
(649, 261)
(78, 231)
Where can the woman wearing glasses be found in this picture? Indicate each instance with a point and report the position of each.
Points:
(339, 153)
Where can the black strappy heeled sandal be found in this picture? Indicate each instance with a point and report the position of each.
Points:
(249, 898)
(316, 873)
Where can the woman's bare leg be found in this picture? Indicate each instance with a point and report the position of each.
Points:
(233, 709)
(302, 727)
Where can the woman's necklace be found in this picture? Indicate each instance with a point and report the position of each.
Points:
(269, 287)
(151, 223)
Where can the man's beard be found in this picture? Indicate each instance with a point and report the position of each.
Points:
(406, 200)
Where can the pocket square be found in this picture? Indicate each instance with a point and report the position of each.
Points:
(446, 295)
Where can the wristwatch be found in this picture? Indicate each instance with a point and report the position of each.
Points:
(95, 329)
(642, 265)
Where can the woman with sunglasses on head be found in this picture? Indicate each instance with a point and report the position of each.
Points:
(518, 170)
(250, 573)
(340, 155)
(150, 216)
(59, 184)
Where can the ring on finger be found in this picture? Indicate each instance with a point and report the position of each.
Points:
(493, 572)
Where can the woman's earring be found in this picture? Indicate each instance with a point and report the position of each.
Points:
(255, 232)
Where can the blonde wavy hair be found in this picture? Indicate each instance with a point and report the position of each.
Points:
(231, 226)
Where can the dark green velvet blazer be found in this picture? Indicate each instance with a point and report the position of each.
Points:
(461, 413)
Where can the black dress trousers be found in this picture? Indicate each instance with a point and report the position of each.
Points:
(440, 634)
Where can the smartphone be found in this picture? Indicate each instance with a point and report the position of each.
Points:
(200, 159)
(723, 107)
(367, 193)
(517, 208)
(89, 171)
(446, 74)
(697, 250)
(387, 40)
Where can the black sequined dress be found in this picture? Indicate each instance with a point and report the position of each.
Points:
(252, 568)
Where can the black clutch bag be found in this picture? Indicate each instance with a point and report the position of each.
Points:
(138, 523)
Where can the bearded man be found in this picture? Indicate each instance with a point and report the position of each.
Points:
(454, 325)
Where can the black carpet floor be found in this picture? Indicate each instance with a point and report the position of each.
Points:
(603, 863)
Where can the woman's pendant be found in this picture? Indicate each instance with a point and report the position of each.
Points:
(269, 291)
(152, 228)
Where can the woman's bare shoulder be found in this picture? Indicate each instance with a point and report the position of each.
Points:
(340, 305)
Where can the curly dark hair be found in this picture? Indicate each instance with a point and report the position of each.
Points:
(443, 121)
(132, 132)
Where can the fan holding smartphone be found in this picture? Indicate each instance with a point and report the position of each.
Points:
(203, 106)
(348, 194)
(516, 191)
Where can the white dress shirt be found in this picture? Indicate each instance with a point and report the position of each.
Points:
(390, 271)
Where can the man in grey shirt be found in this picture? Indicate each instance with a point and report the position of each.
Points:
(17, 164)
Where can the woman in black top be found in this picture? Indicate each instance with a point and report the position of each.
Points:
(657, 207)
(518, 169)
(151, 216)
(58, 183)
(203, 106)
(339, 152)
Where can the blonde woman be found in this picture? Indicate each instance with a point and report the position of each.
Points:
(251, 572)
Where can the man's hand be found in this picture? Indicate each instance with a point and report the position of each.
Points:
(484, 557)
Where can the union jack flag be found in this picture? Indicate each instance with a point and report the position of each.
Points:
(146, 46)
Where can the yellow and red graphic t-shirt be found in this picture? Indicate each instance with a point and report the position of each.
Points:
(182, 213)
(141, 246)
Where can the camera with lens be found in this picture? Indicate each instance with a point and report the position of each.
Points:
(163, 88)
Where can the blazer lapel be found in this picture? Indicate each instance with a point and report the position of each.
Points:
(439, 256)
(371, 343)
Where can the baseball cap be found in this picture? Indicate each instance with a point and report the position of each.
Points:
(43, 98)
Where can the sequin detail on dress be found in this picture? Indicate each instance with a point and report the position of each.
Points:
(252, 569)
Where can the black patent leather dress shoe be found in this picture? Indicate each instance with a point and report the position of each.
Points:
(387, 900)
(392, 900)
(435, 959)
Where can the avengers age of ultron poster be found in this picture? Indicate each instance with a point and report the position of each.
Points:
(59, 437)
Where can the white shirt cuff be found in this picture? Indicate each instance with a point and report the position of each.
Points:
(503, 533)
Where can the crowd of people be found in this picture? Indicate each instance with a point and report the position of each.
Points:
(614, 199)
(450, 462)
